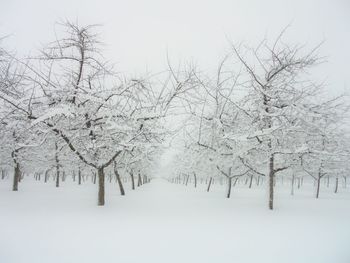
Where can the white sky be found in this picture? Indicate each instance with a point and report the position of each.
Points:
(139, 33)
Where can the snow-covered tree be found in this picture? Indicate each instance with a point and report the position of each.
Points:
(96, 112)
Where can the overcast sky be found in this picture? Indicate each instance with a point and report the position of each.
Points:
(139, 33)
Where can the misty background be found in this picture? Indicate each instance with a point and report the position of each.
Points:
(139, 34)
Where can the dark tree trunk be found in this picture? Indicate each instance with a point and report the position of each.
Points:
(79, 176)
(46, 176)
(16, 177)
(57, 178)
(132, 181)
(229, 186)
(94, 178)
(57, 166)
(195, 179)
(292, 185)
(121, 188)
(271, 181)
(209, 184)
(318, 182)
(336, 185)
(139, 181)
(251, 181)
(235, 182)
(101, 187)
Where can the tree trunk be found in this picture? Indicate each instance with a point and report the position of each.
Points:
(210, 180)
(229, 186)
(318, 182)
(16, 177)
(121, 188)
(235, 182)
(101, 187)
(57, 178)
(251, 181)
(46, 176)
(187, 177)
(79, 176)
(336, 185)
(271, 181)
(195, 179)
(94, 178)
(139, 181)
(57, 166)
(132, 181)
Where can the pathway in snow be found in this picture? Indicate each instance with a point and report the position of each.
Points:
(163, 222)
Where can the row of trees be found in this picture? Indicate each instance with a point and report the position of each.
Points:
(66, 107)
(262, 115)
(135, 170)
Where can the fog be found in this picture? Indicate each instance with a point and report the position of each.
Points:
(139, 34)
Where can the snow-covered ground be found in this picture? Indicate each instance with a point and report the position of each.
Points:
(163, 222)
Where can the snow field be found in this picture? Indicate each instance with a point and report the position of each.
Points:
(163, 222)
